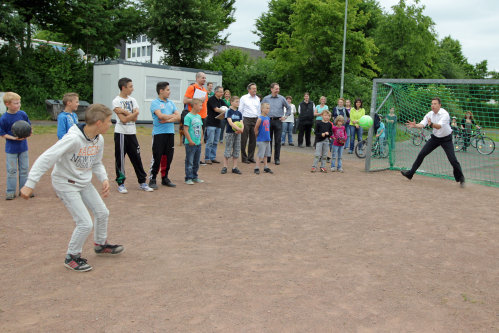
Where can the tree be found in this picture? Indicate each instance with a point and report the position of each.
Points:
(270, 25)
(235, 66)
(187, 32)
(407, 43)
(310, 57)
(97, 26)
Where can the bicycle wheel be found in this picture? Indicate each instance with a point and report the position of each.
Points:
(385, 150)
(485, 145)
(458, 142)
(417, 139)
(360, 149)
(474, 139)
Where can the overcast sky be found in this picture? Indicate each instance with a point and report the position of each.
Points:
(474, 23)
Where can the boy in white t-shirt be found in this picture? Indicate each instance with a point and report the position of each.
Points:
(125, 140)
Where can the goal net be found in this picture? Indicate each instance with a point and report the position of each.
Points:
(473, 106)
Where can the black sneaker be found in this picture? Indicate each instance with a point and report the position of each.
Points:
(267, 170)
(406, 174)
(108, 249)
(152, 184)
(167, 182)
(257, 171)
(202, 163)
(77, 263)
(224, 171)
(461, 182)
(236, 170)
(291, 144)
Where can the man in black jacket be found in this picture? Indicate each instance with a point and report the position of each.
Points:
(305, 120)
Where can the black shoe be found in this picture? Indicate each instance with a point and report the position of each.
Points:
(257, 171)
(268, 159)
(108, 249)
(215, 161)
(224, 171)
(277, 162)
(246, 161)
(202, 163)
(152, 184)
(77, 263)
(309, 145)
(267, 170)
(236, 171)
(250, 160)
(167, 182)
(406, 174)
(291, 144)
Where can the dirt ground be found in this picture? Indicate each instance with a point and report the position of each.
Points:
(289, 252)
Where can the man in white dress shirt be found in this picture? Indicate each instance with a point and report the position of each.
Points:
(439, 120)
(249, 106)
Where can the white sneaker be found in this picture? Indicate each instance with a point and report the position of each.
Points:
(197, 180)
(122, 189)
(340, 170)
(333, 169)
(145, 187)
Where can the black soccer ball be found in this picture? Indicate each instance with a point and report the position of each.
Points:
(21, 129)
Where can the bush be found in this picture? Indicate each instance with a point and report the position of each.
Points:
(44, 73)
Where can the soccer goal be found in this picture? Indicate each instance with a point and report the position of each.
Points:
(475, 141)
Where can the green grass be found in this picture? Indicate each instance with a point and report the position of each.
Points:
(45, 129)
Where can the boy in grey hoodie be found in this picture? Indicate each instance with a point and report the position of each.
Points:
(75, 157)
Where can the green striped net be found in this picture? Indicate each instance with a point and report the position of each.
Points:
(475, 144)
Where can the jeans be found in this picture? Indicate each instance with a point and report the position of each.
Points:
(337, 151)
(223, 124)
(77, 202)
(213, 135)
(381, 141)
(287, 128)
(352, 131)
(192, 156)
(321, 148)
(15, 161)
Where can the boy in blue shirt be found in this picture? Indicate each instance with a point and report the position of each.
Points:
(380, 134)
(262, 133)
(193, 132)
(233, 136)
(68, 117)
(16, 149)
(164, 115)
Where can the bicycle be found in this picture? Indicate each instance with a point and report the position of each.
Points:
(419, 136)
(360, 149)
(478, 140)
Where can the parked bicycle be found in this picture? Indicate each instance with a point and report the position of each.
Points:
(419, 136)
(478, 140)
(376, 151)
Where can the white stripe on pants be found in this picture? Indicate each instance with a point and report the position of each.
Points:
(77, 202)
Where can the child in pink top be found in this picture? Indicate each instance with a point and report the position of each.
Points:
(339, 136)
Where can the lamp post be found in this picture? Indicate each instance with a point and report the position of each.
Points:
(344, 46)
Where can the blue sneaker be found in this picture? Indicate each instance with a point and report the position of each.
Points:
(189, 182)
(122, 189)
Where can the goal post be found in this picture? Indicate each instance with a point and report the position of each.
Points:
(475, 141)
